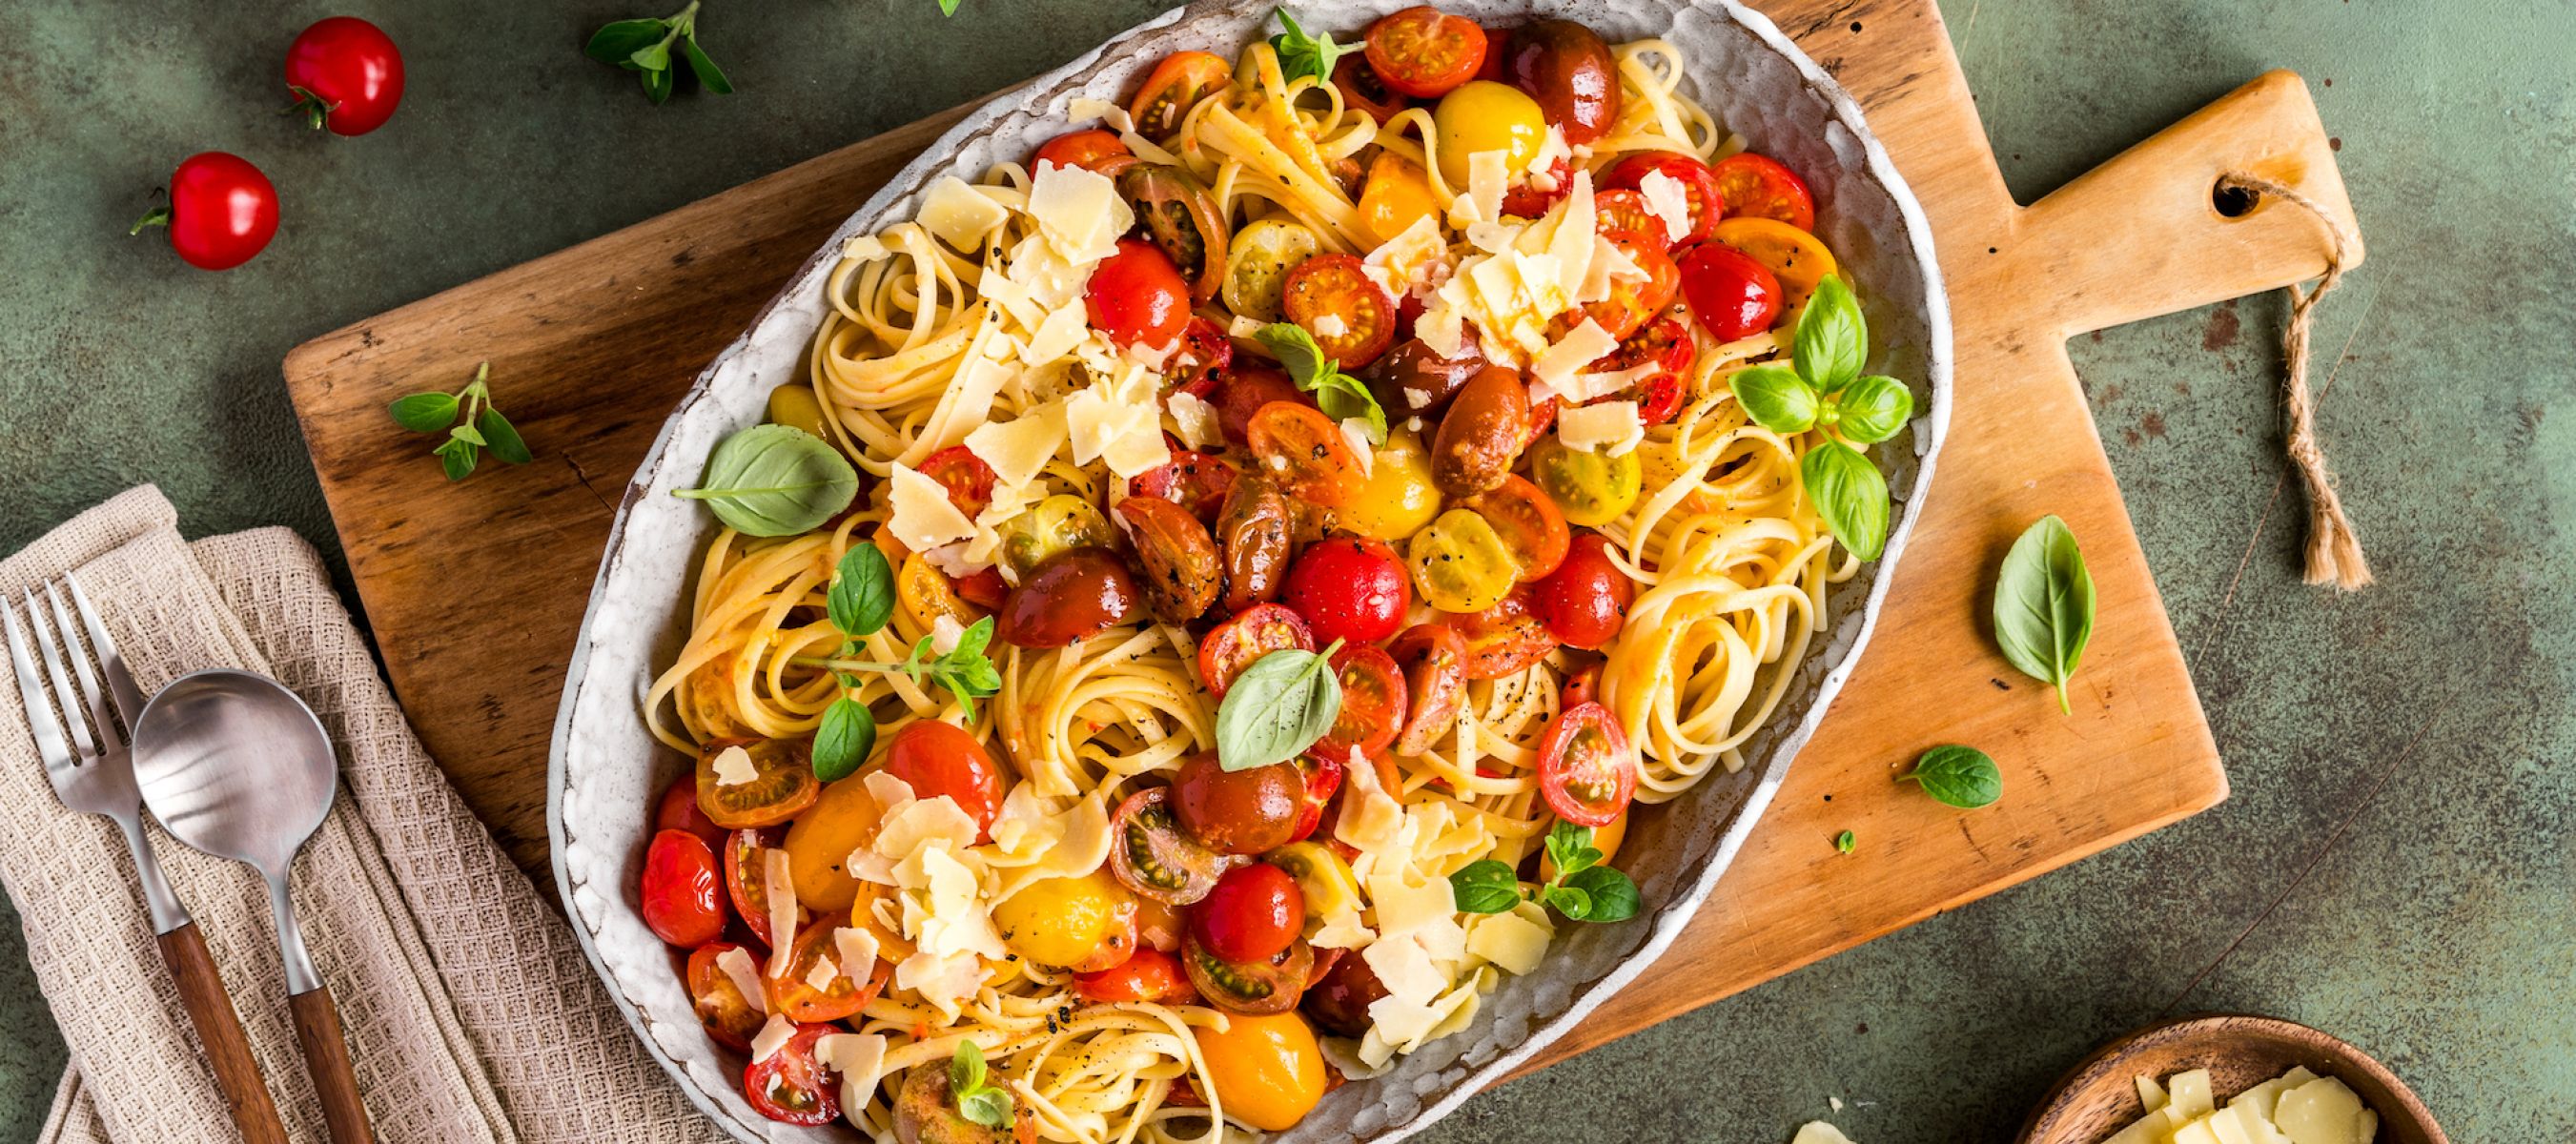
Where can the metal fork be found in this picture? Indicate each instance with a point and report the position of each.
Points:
(95, 775)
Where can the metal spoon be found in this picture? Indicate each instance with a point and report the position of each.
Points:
(234, 764)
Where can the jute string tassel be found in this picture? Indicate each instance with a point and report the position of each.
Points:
(2334, 552)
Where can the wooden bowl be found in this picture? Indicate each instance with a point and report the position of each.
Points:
(2099, 1096)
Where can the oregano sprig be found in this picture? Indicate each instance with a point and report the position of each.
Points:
(1583, 890)
(1338, 394)
(1821, 387)
(859, 604)
(1301, 54)
(647, 48)
(470, 420)
(977, 1099)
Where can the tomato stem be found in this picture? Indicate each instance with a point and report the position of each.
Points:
(315, 108)
(160, 216)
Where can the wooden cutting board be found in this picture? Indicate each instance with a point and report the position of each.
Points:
(593, 345)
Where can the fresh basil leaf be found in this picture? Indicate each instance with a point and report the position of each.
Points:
(1844, 842)
(657, 85)
(2044, 605)
(1831, 339)
(947, 7)
(709, 75)
(1850, 494)
(1611, 896)
(502, 437)
(848, 733)
(1872, 408)
(1301, 54)
(425, 412)
(1776, 398)
(1297, 352)
(457, 457)
(1964, 777)
(862, 595)
(1571, 902)
(1278, 707)
(1486, 886)
(618, 42)
(775, 480)
(1344, 398)
(990, 1107)
(966, 1069)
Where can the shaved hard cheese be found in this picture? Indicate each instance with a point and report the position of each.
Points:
(779, 886)
(959, 214)
(1594, 386)
(1510, 940)
(736, 965)
(1581, 346)
(1609, 264)
(1819, 1132)
(1330, 326)
(858, 950)
(1551, 150)
(733, 767)
(1055, 337)
(1409, 258)
(1489, 175)
(1079, 212)
(1667, 199)
(859, 1058)
(820, 978)
(773, 1036)
(864, 248)
(1355, 432)
(1083, 107)
(1017, 449)
(1194, 421)
(1370, 816)
(923, 517)
(1611, 428)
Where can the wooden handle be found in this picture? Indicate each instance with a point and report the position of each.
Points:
(326, 1057)
(219, 1031)
(2142, 234)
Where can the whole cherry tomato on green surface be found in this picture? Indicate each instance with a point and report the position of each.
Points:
(222, 211)
(346, 75)
(1348, 589)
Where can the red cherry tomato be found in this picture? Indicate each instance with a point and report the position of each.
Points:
(1525, 199)
(1149, 974)
(1585, 601)
(1699, 185)
(1434, 659)
(1254, 914)
(1137, 296)
(746, 875)
(1205, 352)
(222, 211)
(1349, 589)
(721, 1007)
(1666, 341)
(1623, 214)
(1351, 317)
(849, 989)
(1100, 152)
(683, 894)
(1323, 781)
(679, 810)
(1176, 85)
(984, 588)
(1753, 185)
(1423, 52)
(1497, 45)
(1580, 688)
(1304, 453)
(938, 758)
(1252, 633)
(967, 478)
(1732, 295)
(346, 75)
(1198, 482)
(1074, 595)
(1632, 303)
(1244, 391)
(1506, 638)
(791, 1086)
(1362, 88)
(1372, 704)
(1585, 770)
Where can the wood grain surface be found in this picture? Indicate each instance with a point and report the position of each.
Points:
(591, 346)
(220, 1036)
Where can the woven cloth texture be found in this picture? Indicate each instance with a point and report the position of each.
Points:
(470, 1013)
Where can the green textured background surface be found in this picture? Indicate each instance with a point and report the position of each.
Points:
(2398, 864)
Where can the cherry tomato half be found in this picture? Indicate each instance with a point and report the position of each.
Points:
(1352, 317)
(1252, 536)
(1100, 152)
(682, 893)
(1194, 368)
(1323, 780)
(1072, 596)
(1732, 295)
(1176, 555)
(722, 1008)
(1623, 214)
(1585, 601)
(791, 1085)
(967, 478)
(1666, 342)
(1151, 854)
(1585, 770)
(1137, 296)
(781, 787)
(1589, 488)
(746, 873)
(1198, 482)
(1254, 914)
(1755, 186)
(222, 211)
(1237, 812)
(1147, 975)
(1480, 437)
(1248, 988)
(346, 74)
(1175, 86)
(1434, 660)
(1340, 1001)
(1348, 589)
(1633, 303)
(1423, 52)
(1372, 705)
(1699, 186)
(1362, 88)
(936, 759)
(678, 810)
(1305, 454)
(1252, 633)
(792, 994)
(1460, 563)
(1245, 390)
(1505, 638)
(1527, 522)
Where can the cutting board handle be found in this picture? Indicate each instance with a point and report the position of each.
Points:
(2144, 234)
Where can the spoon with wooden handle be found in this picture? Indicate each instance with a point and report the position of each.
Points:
(234, 764)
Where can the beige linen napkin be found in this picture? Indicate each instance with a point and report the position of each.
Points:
(471, 1015)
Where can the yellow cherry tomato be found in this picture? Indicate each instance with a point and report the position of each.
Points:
(1482, 115)
(1397, 193)
(1605, 839)
(1399, 498)
(1058, 523)
(820, 841)
(797, 407)
(1794, 256)
(1268, 1071)
(926, 594)
(1257, 262)
(1460, 564)
(1590, 489)
(1075, 923)
(1323, 879)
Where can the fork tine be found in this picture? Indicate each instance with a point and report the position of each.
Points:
(81, 744)
(31, 693)
(109, 734)
(120, 678)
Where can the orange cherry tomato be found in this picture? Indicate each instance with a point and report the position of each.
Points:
(1731, 294)
(1095, 150)
(721, 1007)
(1149, 974)
(1361, 88)
(1506, 638)
(1268, 1071)
(1760, 187)
(1480, 437)
(1352, 319)
(746, 870)
(792, 994)
(1137, 296)
(782, 786)
(1623, 214)
(1176, 85)
(683, 894)
(1252, 633)
(791, 1085)
(1176, 555)
(1585, 601)
(1434, 660)
(1585, 770)
(1699, 185)
(1632, 303)
(1372, 707)
(1305, 454)
(937, 758)
(1528, 523)
(1198, 482)
(1423, 52)
(1396, 195)
(967, 478)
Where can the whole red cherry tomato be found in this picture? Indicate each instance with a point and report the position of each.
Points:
(940, 758)
(683, 894)
(1349, 589)
(679, 810)
(346, 75)
(1137, 296)
(1586, 599)
(1253, 914)
(222, 211)
(1099, 152)
(1730, 293)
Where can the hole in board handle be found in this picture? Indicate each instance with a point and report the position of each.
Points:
(2232, 201)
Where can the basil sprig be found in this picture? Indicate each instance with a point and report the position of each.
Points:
(1301, 54)
(859, 604)
(1822, 388)
(775, 480)
(1964, 777)
(2044, 605)
(1278, 707)
(470, 420)
(646, 47)
(1583, 890)
(983, 1103)
(1338, 394)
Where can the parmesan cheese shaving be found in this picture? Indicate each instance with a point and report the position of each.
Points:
(820, 978)
(858, 950)
(1194, 421)
(1017, 449)
(959, 214)
(779, 886)
(1581, 346)
(733, 767)
(1611, 428)
(923, 517)
(1668, 200)
(1080, 212)
(737, 967)
(773, 1036)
